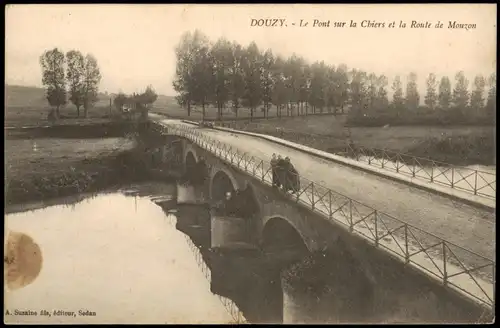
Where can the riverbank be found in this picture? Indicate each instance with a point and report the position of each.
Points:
(56, 162)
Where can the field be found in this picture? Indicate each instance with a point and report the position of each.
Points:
(459, 145)
(25, 158)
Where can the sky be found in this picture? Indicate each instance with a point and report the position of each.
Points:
(134, 44)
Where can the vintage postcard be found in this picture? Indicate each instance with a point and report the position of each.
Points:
(250, 163)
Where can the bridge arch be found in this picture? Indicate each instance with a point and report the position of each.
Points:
(190, 164)
(221, 182)
(189, 149)
(253, 195)
(279, 231)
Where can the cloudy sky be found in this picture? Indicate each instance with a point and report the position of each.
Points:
(134, 44)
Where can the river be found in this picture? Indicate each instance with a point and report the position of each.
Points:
(117, 254)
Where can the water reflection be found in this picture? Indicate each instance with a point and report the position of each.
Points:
(127, 257)
(114, 255)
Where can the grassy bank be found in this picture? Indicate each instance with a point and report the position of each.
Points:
(40, 167)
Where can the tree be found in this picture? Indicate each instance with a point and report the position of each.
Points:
(382, 103)
(342, 86)
(52, 63)
(279, 87)
(431, 98)
(237, 83)
(460, 93)
(372, 91)
(477, 95)
(147, 99)
(444, 97)
(412, 95)
(221, 53)
(491, 100)
(75, 76)
(252, 64)
(318, 81)
(182, 82)
(188, 53)
(267, 80)
(397, 97)
(91, 80)
(120, 100)
(202, 76)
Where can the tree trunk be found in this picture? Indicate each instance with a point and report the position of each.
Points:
(236, 111)
(77, 111)
(189, 108)
(85, 112)
(203, 112)
(251, 114)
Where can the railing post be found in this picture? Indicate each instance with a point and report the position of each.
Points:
(329, 204)
(351, 227)
(475, 183)
(432, 172)
(413, 169)
(376, 228)
(312, 196)
(445, 273)
(262, 170)
(407, 253)
(452, 176)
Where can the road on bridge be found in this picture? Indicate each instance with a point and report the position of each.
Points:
(461, 224)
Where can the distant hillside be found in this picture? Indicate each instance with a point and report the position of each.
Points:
(23, 96)
(20, 96)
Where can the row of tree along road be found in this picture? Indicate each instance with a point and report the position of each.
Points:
(224, 73)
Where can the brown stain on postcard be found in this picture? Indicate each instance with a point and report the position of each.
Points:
(22, 260)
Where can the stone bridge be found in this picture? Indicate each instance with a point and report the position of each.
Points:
(268, 216)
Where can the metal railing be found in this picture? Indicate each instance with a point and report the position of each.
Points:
(476, 182)
(454, 266)
(229, 305)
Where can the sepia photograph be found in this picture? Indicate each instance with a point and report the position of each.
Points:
(250, 163)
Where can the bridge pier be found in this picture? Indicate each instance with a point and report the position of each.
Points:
(229, 232)
(325, 289)
(193, 213)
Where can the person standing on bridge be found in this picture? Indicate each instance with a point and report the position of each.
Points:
(274, 164)
(292, 177)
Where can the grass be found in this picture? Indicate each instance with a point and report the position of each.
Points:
(45, 168)
(459, 145)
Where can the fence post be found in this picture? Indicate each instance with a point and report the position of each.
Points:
(432, 172)
(312, 196)
(330, 215)
(262, 170)
(407, 253)
(351, 227)
(376, 228)
(445, 273)
(475, 183)
(452, 176)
